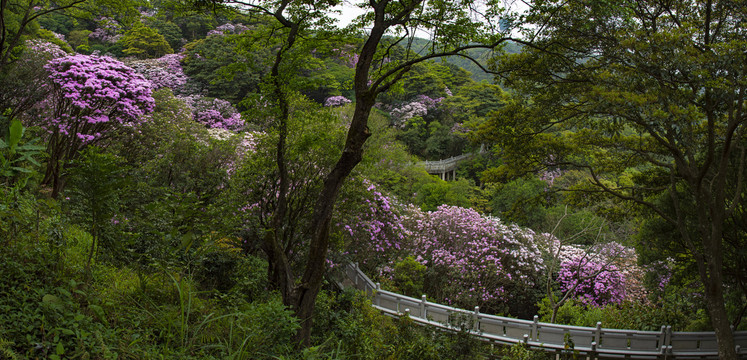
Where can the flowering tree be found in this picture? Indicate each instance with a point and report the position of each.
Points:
(107, 32)
(375, 235)
(420, 106)
(215, 113)
(90, 97)
(228, 28)
(165, 71)
(336, 101)
(593, 282)
(472, 259)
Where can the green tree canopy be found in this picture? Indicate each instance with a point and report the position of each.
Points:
(144, 42)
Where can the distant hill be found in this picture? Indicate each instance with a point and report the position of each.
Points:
(482, 55)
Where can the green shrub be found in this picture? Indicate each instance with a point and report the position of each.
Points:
(409, 277)
(349, 318)
(216, 270)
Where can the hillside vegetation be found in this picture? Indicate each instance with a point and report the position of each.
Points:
(164, 167)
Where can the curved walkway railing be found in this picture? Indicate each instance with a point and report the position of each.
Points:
(593, 342)
(442, 166)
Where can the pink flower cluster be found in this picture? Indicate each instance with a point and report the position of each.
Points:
(228, 28)
(89, 92)
(593, 282)
(37, 47)
(336, 101)
(347, 55)
(107, 32)
(217, 113)
(471, 259)
(598, 275)
(420, 106)
(376, 235)
(165, 71)
(549, 176)
(478, 258)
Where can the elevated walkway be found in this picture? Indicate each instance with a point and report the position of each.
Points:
(445, 169)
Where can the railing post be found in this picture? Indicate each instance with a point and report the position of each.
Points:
(476, 319)
(593, 353)
(535, 328)
(357, 273)
(423, 307)
(598, 333)
(377, 297)
(669, 339)
(663, 340)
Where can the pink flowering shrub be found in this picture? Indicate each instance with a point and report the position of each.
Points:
(418, 107)
(598, 275)
(217, 113)
(90, 97)
(472, 259)
(375, 235)
(107, 32)
(348, 55)
(336, 101)
(38, 47)
(165, 71)
(228, 28)
(549, 175)
(592, 282)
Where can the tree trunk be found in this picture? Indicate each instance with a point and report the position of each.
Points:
(306, 291)
(720, 321)
(711, 219)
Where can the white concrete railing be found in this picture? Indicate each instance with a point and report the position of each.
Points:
(441, 166)
(593, 342)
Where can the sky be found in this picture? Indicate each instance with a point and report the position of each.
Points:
(349, 11)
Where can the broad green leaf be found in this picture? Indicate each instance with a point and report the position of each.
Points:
(16, 132)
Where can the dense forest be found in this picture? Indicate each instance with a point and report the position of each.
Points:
(184, 180)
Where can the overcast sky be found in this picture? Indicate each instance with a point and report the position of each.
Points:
(348, 11)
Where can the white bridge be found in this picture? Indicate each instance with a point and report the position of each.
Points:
(445, 169)
(591, 342)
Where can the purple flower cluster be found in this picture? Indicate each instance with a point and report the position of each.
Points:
(37, 47)
(549, 176)
(217, 113)
(228, 28)
(347, 55)
(429, 102)
(420, 106)
(91, 94)
(477, 258)
(165, 71)
(107, 32)
(593, 282)
(336, 101)
(376, 235)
